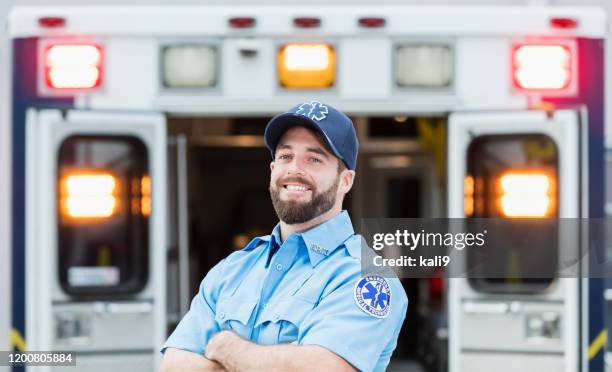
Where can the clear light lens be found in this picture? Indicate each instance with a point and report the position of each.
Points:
(526, 195)
(307, 66)
(189, 67)
(89, 195)
(423, 66)
(73, 66)
(542, 67)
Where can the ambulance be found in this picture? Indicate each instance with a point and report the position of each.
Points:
(138, 163)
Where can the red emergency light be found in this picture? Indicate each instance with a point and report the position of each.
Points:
(307, 22)
(73, 66)
(52, 22)
(371, 22)
(564, 23)
(542, 67)
(242, 22)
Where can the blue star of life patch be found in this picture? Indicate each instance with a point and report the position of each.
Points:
(313, 110)
(373, 295)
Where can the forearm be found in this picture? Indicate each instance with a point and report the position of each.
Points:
(176, 360)
(237, 355)
(248, 356)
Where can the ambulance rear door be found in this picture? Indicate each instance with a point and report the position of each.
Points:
(521, 164)
(96, 236)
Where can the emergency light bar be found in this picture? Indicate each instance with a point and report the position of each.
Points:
(307, 66)
(423, 66)
(542, 67)
(73, 66)
(189, 66)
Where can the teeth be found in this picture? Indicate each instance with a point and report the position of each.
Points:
(296, 188)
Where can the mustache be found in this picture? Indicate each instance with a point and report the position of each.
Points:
(301, 180)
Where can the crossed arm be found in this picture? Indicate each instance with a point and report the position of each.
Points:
(227, 351)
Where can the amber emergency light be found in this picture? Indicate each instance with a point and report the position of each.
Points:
(307, 66)
(86, 195)
(529, 195)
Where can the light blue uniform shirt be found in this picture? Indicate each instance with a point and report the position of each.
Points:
(307, 293)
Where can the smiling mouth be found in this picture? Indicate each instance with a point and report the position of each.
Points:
(296, 187)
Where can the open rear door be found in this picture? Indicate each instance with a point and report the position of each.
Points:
(96, 236)
(532, 324)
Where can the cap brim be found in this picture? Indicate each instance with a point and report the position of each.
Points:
(281, 123)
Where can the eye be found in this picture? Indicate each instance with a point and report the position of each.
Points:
(315, 160)
(283, 156)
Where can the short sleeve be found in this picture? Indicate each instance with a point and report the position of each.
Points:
(198, 326)
(340, 325)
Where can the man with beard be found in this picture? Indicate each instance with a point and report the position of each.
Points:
(295, 300)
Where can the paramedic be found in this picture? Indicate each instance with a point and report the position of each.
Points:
(295, 300)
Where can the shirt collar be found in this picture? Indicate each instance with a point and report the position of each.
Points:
(270, 240)
(275, 238)
(320, 241)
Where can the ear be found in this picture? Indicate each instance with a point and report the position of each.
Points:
(347, 177)
(271, 166)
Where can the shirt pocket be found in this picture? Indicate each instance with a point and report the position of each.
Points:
(281, 320)
(234, 314)
(311, 288)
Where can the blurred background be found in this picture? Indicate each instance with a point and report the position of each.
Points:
(423, 350)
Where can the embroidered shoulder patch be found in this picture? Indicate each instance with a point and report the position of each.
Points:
(373, 295)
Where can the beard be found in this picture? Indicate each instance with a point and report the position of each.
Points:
(294, 212)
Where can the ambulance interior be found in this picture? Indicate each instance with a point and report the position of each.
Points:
(219, 167)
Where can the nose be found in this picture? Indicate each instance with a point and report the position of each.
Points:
(295, 168)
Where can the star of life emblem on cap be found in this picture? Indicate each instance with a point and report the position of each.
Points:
(313, 110)
(373, 295)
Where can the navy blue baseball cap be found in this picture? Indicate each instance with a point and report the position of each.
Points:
(335, 127)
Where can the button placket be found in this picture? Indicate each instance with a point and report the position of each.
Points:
(281, 262)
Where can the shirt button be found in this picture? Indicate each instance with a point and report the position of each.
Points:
(222, 315)
(276, 317)
(279, 267)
